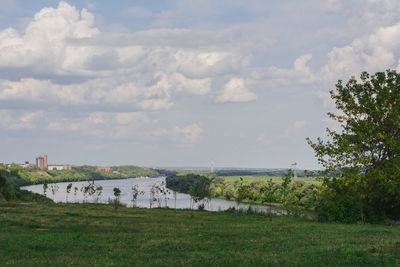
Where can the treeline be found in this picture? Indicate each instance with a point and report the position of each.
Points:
(268, 192)
(276, 173)
(182, 183)
(295, 195)
(32, 175)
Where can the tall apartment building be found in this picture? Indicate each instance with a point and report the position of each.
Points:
(41, 162)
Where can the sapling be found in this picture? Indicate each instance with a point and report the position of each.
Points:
(164, 192)
(152, 195)
(135, 193)
(76, 191)
(175, 199)
(54, 188)
(85, 191)
(117, 194)
(68, 190)
(45, 186)
(99, 190)
(88, 190)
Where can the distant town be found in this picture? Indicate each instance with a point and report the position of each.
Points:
(42, 163)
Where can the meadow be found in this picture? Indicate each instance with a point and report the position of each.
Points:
(261, 179)
(49, 234)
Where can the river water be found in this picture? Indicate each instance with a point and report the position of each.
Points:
(182, 201)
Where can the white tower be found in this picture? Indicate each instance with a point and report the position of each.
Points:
(212, 167)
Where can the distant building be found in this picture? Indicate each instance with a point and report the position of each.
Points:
(41, 162)
(107, 169)
(59, 167)
(56, 167)
(67, 167)
(26, 164)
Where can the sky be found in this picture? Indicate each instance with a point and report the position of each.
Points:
(180, 82)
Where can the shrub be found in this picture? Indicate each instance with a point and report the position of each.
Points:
(340, 202)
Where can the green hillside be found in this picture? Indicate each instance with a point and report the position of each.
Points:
(32, 175)
(48, 234)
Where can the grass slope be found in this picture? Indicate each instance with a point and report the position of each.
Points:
(37, 234)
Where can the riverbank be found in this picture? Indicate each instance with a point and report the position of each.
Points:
(37, 234)
(32, 175)
(144, 199)
(256, 190)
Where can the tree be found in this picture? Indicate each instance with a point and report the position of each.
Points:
(242, 192)
(45, 187)
(68, 190)
(364, 156)
(135, 194)
(290, 202)
(117, 192)
(269, 193)
(200, 192)
(99, 190)
(54, 189)
(3, 186)
(116, 201)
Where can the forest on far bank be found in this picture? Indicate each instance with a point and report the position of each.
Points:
(32, 175)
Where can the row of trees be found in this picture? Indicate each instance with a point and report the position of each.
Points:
(293, 196)
(32, 175)
(268, 191)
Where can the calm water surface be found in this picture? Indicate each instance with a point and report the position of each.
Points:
(182, 201)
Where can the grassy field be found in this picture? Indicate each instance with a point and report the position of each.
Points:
(275, 179)
(33, 234)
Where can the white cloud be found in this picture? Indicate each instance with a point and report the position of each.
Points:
(114, 125)
(373, 52)
(45, 40)
(190, 133)
(137, 12)
(235, 91)
(299, 124)
(12, 120)
(295, 129)
(63, 59)
(187, 134)
(326, 99)
(299, 74)
(332, 6)
(210, 64)
(192, 86)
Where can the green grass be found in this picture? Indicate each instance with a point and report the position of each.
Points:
(276, 179)
(47, 234)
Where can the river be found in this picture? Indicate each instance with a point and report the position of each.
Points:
(182, 201)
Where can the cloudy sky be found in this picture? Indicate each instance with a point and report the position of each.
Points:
(181, 83)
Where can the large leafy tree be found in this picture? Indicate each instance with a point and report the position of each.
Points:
(364, 155)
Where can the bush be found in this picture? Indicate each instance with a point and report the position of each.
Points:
(340, 203)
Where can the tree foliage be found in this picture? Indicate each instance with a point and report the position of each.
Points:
(364, 155)
(242, 191)
(200, 192)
